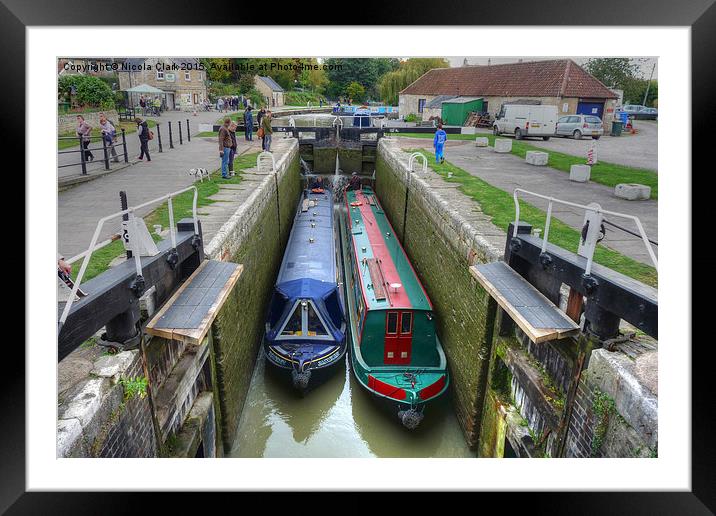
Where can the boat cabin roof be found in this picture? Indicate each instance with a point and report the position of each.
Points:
(310, 252)
(388, 280)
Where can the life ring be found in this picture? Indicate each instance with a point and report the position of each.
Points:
(317, 190)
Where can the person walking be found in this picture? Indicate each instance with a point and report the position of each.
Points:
(109, 134)
(143, 133)
(249, 123)
(232, 154)
(268, 131)
(220, 105)
(84, 130)
(143, 105)
(439, 144)
(157, 106)
(225, 147)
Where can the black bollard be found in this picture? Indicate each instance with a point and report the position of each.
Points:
(180, 140)
(159, 138)
(188, 134)
(171, 140)
(124, 146)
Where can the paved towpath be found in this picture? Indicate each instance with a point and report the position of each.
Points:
(507, 172)
(80, 207)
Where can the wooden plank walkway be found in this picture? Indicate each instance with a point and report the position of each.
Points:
(536, 315)
(188, 314)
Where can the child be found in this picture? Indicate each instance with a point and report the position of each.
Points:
(439, 144)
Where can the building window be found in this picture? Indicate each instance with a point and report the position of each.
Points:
(187, 76)
(160, 75)
(421, 105)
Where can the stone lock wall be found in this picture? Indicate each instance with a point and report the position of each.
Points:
(96, 419)
(441, 245)
(254, 236)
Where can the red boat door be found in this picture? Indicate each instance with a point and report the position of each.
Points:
(398, 338)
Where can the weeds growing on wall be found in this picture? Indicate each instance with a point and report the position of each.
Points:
(603, 407)
(134, 386)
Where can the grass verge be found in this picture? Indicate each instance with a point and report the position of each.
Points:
(499, 205)
(608, 174)
(182, 208)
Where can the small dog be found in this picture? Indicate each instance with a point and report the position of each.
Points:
(200, 173)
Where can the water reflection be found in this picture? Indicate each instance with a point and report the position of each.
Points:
(336, 419)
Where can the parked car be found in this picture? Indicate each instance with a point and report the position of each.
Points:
(577, 126)
(639, 112)
(524, 120)
(649, 113)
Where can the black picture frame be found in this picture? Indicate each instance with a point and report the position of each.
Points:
(700, 15)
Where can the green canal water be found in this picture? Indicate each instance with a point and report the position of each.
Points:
(337, 418)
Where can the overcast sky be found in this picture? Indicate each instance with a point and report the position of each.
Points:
(645, 63)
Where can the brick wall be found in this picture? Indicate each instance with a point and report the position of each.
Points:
(95, 419)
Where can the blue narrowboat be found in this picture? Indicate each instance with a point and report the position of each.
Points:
(305, 327)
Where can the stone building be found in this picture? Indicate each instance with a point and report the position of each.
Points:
(180, 78)
(562, 83)
(271, 91)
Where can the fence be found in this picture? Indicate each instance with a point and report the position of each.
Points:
(86, 148)
(98, 154)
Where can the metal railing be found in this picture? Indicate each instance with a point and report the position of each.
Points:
(412, 158)
(105, 148)
(134, 241)
(552, 200)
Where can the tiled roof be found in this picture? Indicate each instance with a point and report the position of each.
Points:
(558, 78)
(271, 83)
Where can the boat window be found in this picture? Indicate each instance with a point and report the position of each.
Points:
(315, 326)
(406, 322)
(392, 323)
(293, 326)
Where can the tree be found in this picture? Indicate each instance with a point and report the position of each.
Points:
(246, 83)
(364, 71)
(89, 91)
(218, 69)
(614, 72)
(391, 83)
(355, 91)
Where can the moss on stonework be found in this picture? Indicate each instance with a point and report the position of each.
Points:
(603, 407)
(239, 326)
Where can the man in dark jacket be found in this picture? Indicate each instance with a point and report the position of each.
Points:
(249, 123)
(225, 147)
(143, 133)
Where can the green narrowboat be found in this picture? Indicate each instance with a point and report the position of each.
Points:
(394, 348)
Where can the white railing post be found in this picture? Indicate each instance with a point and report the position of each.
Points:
(600, 210)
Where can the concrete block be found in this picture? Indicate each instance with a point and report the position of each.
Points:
(580, 173)
(632, 191)
(69, 432)
(481, 141)
(536, 158)
(110, 365)
(503, 145)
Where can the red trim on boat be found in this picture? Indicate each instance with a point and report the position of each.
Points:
(433, 389)
(385, 388)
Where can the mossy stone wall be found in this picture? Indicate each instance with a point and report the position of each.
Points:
(441, 255)
(257, 241)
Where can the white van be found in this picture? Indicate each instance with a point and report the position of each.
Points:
(526, 120)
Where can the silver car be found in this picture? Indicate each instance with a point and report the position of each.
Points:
(577, 126)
